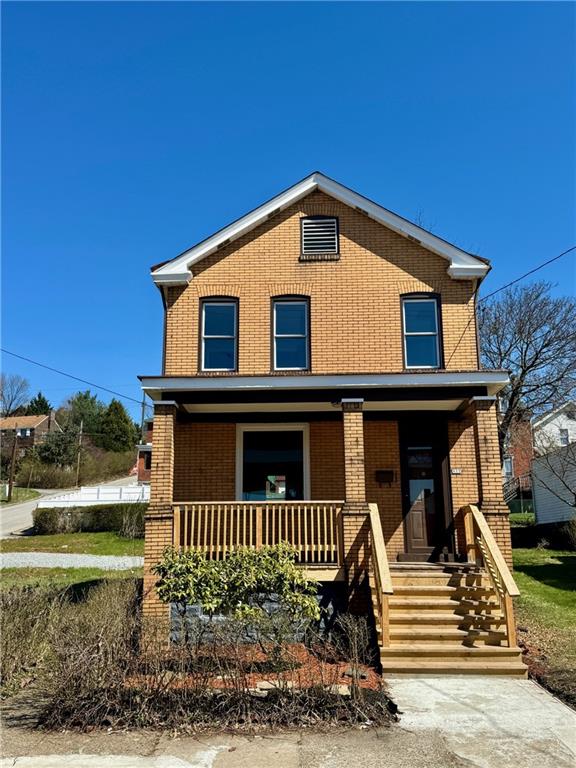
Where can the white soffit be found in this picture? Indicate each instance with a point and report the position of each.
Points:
(462, 265)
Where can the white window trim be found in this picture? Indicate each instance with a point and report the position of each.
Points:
(435, 333)
(234, 337)
(304, 336)
(564, 432)
(283, 427)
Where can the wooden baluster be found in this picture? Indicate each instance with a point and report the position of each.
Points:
(305, 513)
(259, 514)
(469, 535)
(510, 623)
(187, 514)
(176, 527)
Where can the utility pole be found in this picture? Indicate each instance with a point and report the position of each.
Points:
(142, 418)
(79, 452)
(12, 464)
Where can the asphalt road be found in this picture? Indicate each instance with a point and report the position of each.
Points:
(18, 517)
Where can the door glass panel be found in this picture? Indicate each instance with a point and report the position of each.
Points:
(273, 465)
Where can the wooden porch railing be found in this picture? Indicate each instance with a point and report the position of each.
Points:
(481, 547)
(381, 571)
(215, 528)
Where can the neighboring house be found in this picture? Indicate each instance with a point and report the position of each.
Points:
(144, 463)
(554, 485)
(555, 429)
(321, 385)
(517, 459)
(29, 430)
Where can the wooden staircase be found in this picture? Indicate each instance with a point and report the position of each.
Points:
(446, 618)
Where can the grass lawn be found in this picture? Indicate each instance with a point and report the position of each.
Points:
(60, 577)
(546, 615)
(18, 495)
(106, 543)
(522, 518)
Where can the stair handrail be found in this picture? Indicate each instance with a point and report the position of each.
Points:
(482, 546)
(381, 570)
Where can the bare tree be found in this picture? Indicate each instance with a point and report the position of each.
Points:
(533, 336)
(14, 393)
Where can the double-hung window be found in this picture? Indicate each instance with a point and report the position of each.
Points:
(291, 337)
(421, 334)
(219, 335)
(564, 437)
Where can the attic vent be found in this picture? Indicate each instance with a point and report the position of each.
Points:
(319, 236)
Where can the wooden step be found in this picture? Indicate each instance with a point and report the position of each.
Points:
(455, 594)
(449, 651)
(443, 618)
(464, 666)
(447, 636)
(440, 604)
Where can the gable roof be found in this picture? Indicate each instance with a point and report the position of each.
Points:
(541, 420)
(21, 422)
(462, 265)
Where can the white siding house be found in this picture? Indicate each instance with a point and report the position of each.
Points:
(554, 485)
(556, 429)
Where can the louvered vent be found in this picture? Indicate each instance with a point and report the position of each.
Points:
(319, 237)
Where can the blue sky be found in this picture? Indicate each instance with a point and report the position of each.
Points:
(133, 130)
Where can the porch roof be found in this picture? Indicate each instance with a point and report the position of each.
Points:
(432, 390)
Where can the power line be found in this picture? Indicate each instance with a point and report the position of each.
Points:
(527, 274)
(503, 287)
(76, 378)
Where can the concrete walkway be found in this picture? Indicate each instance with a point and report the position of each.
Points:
(489, 721)
(57, 560)
(447, 722)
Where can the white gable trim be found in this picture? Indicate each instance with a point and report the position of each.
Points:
(542, 420)
(463, 265)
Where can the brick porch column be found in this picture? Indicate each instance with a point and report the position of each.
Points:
(492, 503)
(355, 525)
(159, 518)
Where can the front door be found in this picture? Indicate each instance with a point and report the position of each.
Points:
(272, 465)
(426, 529)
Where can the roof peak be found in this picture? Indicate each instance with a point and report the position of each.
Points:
(463, 265)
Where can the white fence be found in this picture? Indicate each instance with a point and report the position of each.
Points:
(100, 494)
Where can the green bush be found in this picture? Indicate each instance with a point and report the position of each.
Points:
(94, 467)
(124, 519)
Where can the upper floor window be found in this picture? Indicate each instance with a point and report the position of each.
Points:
(421, 336)
(291, 352)
(508, 467)
(319, 235)
(219, 335)
(564, 437)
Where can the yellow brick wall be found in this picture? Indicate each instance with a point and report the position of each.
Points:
(354, 302)
(205, 464)
(382, 451)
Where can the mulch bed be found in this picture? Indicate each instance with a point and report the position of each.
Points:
(301, 669)
(560, 682)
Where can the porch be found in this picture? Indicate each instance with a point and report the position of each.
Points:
(401, 464)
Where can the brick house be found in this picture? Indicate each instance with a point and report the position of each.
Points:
(29, 430)
(144, 462)
(321, 384)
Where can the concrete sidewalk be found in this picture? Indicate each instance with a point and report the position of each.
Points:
(489, 721)
(447, 722)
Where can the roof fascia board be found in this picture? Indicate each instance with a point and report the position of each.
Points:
(493, 380)
(551, 414)
(463, 266)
